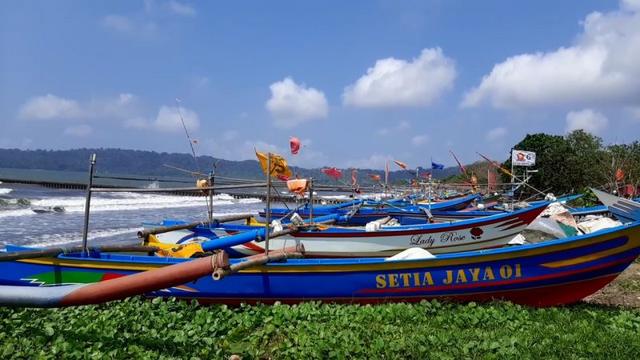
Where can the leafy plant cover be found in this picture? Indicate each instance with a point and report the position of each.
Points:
(137, 328)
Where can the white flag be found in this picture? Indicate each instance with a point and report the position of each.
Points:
(523, 158)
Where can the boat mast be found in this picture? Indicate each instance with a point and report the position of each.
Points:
(87, 204)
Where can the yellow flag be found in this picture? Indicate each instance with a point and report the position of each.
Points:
(279, 166)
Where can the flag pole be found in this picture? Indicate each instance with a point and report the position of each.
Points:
(430, 185)
(386, 178)
(513, 191)
(268, 200)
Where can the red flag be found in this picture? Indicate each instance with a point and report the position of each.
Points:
(619, 175)
(629, 190)
(426, 175)
(294, 143)
(400, 164)
(332, 173)
(375, 177)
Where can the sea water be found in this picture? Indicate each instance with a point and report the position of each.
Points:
(114, 217)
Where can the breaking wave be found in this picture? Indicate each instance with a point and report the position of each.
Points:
(124, 202)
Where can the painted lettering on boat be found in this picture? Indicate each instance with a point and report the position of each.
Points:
(427, 240)
(448, 277)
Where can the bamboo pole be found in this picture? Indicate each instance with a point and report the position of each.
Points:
(261, 259)
(52, 252)
(159, 230)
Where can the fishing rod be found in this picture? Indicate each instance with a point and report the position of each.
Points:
(190, 172)
(193, 151)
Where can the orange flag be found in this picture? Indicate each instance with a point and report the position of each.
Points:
(298, 186)
(279, 166)
(401, 164)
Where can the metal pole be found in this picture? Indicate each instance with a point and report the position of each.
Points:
(430, 183)
(268, 212)
(311, 200)
(212, 175)
(87, 205)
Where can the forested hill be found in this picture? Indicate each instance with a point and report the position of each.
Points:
(120, 161)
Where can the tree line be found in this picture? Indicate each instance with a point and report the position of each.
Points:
(579, 160)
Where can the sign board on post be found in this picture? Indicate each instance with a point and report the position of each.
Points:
(523, 158)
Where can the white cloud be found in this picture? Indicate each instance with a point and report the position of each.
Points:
(375, 161)
(399, 83)
(291, 104)
(496, 133)
(587, 120)
(118, 23)
(181, 9)
(54, 107)
(233, 148)
(50, 107)
(634, 111)
(229, 135)
(137, 123)
(631, 5)
(78, 130)
(168, 119)
(404, 125)
(419, 140)
(601, 66)
(401, 126)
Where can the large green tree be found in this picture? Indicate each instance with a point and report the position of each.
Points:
(565, 164)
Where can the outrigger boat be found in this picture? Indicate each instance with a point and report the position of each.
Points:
(362, 212)
(546, 274)
(338, 241)
(550, 273)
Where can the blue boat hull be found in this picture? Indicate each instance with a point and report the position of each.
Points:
(552, 273)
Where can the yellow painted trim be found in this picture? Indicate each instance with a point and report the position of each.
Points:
(93, 264)
(585, 258)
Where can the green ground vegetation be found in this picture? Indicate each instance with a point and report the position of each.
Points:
(137, 328)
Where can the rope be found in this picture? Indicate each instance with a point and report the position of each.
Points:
(219, 260)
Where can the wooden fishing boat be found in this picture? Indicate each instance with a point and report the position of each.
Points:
(625, 210)
(552, 273)
(361, 212)
(337, 241)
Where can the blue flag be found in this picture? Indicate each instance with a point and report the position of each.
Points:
(436, 166)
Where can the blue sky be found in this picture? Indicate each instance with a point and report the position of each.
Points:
(359, 82)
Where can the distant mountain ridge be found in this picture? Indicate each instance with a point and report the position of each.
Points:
(151, 163)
